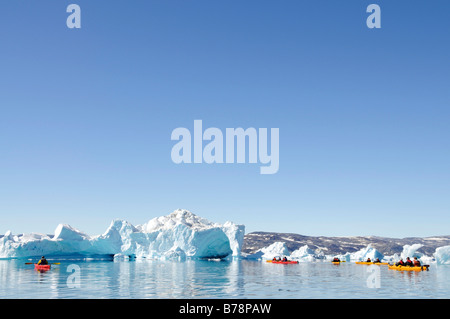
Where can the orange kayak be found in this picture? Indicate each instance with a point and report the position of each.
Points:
(369, 263)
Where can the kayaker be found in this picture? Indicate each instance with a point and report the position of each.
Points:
(42, 261)
(284, 258)
(400, 263)
(336, 260)
(377, 260)
(416, 262)
(408, 262)
(368, 260)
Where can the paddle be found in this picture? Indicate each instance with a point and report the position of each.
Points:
(49, 263)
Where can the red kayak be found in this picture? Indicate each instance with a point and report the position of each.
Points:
(42, 267)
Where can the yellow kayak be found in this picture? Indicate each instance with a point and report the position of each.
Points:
(369, 263)
(408, 268)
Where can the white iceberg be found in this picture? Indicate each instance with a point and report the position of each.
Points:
(277, 249)
(180, 234)
(365, 253)
(303, 251)
(411, 251)
(442, 255)
(305, 254)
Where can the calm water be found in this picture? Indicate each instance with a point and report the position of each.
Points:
(216, 279)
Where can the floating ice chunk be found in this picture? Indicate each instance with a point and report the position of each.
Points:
(277, 249)
(442, 255)
(365, 253)
(302, 252)
(411, 251)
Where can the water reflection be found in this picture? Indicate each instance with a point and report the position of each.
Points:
(216, 279)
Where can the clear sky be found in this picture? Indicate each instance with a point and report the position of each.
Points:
(86, 114)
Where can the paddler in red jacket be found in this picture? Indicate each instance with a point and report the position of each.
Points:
(416, 262)
(408, 262)
(400, 263)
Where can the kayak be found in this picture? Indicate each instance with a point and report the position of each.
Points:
(407, 268)
(369, 263)
(42, 267)
(336, 262)
(282, 262)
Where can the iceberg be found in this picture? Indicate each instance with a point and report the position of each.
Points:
(367, 252)
(178, 235)
(277, 249)
(303, 251)
(442, 255)
(411, 251)
(305, 254)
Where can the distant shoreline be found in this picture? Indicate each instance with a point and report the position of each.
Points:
(341, 245)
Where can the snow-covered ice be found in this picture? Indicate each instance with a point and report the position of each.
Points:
(178, 235)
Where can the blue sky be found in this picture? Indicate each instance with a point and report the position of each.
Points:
(87, 114)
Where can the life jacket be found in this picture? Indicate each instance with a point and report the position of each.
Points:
(43, 262)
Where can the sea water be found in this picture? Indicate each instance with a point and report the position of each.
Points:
(237, 279)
